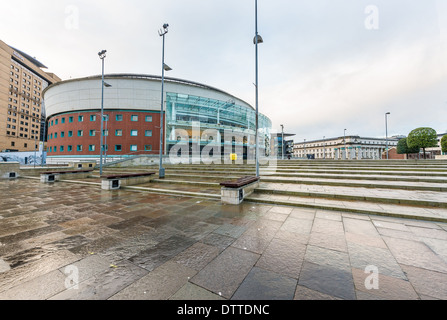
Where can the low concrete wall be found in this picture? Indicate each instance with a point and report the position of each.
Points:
(441, 157)
(44, 177)
(111, 184)
(9, 170)
(82, 165)
(142, 160)
(33, 172)
(237, 195)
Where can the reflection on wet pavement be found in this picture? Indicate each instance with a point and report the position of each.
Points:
(73, 241)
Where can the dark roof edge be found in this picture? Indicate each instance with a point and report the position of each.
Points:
(31, 59)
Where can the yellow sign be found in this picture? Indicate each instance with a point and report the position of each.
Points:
(233, 156)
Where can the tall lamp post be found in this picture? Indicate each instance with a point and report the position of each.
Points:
(162, 32)
(386, 133)
(282, 141)
(102, 55)
(256, 41)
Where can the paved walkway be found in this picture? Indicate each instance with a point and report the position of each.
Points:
(73, 241)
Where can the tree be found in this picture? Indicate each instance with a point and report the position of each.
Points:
(444, 144)
(402, 147)
(422, 138)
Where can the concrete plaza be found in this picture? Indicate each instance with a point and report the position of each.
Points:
(76, 241)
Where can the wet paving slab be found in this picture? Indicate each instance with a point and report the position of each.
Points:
(78, 242)
(261, 284)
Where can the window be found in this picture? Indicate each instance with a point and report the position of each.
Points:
(49, 149)
(91, 147)
(69, 148)
(92, 133)
(56, 121)
(81, 118)
(80, 133)
(79, 147)
(119, 117)
(70, 119)
(118, 147)
(148, 118)
(62, 120)
(148, 147)
(134, 133)
(62, 134)
(105, 133)
(61, 148)
(134, 118)
(55, 135)
(70, 133)
(118, 132)
(93, 117)
(133, 147)
(148, 133)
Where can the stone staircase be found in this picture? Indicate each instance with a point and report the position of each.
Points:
(413, 189)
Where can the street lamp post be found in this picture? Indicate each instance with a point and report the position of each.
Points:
(102, 56)
(282, 141)
(35, 147)
(43, 139)
(256, 41)
(386, 133)
(106, 117)
(162, 32)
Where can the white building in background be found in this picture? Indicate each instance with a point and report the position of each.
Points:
(349, 147)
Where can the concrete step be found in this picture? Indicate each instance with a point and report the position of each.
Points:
(333, 175)
(378, 195)
(363, 207)
(402, 185)
(386, 196)
(311, 168)
(372, 184)
(315, 167)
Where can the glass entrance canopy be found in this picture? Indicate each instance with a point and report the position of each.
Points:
(209, 121)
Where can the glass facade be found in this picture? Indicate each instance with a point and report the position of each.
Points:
(208, 121)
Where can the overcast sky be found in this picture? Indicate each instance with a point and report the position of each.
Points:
(324, 66)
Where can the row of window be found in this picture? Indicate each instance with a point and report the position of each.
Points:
(24, 75)
(25, 145)
(118, 117)
(92, 133)
(21, 135)
(92, 147)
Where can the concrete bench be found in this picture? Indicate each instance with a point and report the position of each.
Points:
(114, 182)
(234, 191)
(52, 176)
(9, 170)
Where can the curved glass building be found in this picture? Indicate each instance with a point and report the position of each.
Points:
(197, 118)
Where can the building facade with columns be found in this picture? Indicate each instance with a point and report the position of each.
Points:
(340, 148)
